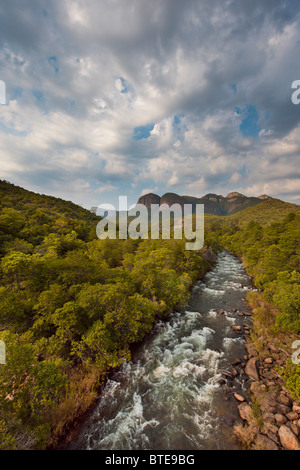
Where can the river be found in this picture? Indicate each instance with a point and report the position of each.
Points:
(172, 394)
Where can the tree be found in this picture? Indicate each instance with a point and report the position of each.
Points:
(15, 264)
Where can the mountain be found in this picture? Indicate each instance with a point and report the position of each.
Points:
(213, 203)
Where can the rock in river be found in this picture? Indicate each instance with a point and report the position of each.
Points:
(251, 369)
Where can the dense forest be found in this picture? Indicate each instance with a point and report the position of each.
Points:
(72, 305)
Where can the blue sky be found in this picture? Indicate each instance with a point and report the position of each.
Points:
(109, 98)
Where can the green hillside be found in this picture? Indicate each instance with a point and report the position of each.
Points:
(267, 211)
(71, 306)
(27, 216)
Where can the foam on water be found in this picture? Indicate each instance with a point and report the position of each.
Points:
(169, 397)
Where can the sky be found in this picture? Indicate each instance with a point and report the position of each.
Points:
(106, 98)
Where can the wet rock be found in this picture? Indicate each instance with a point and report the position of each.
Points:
(221, 382)
(235, 362)
(237, 328)
(229, 420)
(245, 411)
(288, 439)
(251, 369)
(227, 375)
(239, 397)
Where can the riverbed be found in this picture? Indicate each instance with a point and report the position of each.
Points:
(173, 395)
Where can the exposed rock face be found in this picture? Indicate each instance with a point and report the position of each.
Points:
(234, 194)
(213, 203)
(149, 199)
(172, 198)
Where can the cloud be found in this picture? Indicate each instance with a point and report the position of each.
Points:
(192, 97)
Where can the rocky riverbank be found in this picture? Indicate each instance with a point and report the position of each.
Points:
(270, 415)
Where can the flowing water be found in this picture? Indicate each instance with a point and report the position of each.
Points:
(170, 396)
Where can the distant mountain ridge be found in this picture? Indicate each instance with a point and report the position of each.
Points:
(213, 203)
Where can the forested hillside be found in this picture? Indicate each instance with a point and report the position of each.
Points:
(267, 240)
(73, 305)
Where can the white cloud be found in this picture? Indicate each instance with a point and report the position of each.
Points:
(198, 61)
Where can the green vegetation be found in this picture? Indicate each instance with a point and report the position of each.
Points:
(72, 306)
(271, 255)
(270, 251)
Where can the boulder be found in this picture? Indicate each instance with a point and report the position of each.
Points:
(288, 439)
(268, 417)
(280, 419)
(229, 420)
(268, 360)
(245, 411)
(235, 362)
(292, 415)
(250, 350)
(227, 375)
(264, 443)
(269, 428)
(237, 328)
(269, 375)
(251, 369)
(296, 407)
(282, 409)
(238, 397)
(284, 400)
(294, 427)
